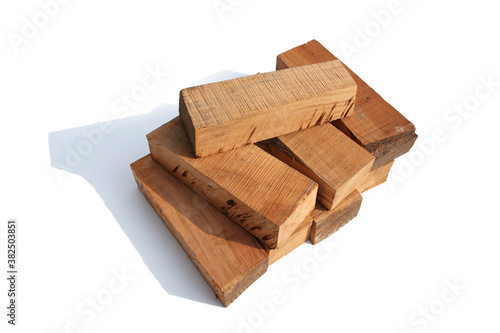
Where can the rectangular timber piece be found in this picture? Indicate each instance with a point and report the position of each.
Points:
(257, 191)
(327, 222)
(374, 124)
(324, 154)
(221, 116)
(228, 257)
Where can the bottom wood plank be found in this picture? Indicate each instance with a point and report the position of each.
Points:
(326, 222)
(228, 257)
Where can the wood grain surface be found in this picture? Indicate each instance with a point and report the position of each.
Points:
(324, 154)
(221, 116)
(257, 191)
(228, 257)
(374, 124)
(327, 222)
(377, 176)
(299, 237)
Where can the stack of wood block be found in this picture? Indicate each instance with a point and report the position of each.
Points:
(254, 167)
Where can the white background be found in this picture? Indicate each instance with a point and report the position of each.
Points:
(435, 224)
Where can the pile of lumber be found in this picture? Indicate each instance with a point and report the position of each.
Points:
(254, 167)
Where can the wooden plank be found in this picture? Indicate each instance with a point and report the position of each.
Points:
(374, 124)
(227, 257)
(256, 190)
(225, 115)
(324, 154)
(299, 237)
(327, 222)
(377, 176)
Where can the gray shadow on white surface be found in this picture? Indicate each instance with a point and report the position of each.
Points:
(102, 153)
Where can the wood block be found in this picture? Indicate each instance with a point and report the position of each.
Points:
(374, 124)
(377, 176)
(299, 237)
(228, 258)
(254, 189)
(327, 222)
(324, 154)
(225, 115)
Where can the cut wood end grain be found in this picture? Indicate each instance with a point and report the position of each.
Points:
(222, 116)
(228, 258)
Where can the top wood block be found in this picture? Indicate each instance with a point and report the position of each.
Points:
(225, 115)
(374, 124)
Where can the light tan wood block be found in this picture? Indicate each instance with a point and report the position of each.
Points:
(327, 222)
(225, 115)
(374, 124)
(255, 190)
(228, 257)
(324, 154)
